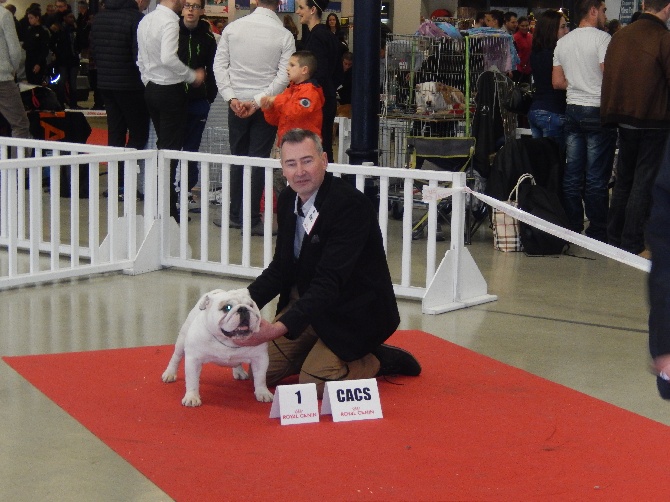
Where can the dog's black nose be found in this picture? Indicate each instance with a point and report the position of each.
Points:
(244, 316)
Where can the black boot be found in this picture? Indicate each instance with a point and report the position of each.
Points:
(395, 361)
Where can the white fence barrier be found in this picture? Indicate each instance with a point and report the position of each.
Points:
(141, 237)
(45, 237)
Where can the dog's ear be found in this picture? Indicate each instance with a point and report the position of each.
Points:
(204, 302)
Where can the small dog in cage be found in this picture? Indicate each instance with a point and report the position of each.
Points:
(436, 96)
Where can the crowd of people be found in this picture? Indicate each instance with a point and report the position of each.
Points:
(592, 92)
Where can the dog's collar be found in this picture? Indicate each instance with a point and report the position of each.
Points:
(229, 346)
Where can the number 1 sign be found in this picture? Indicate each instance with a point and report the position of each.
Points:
(295, 404)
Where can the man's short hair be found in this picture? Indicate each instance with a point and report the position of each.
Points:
(508, 16)
(654, 6)
(584, 7)
(270, 4)
(299, 135)
(480, 16)
(306, 58)
(499, 16)
(349, 56)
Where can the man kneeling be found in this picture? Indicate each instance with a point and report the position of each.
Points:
(336, 301)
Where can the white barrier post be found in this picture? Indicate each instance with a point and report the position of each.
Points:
(458, 283)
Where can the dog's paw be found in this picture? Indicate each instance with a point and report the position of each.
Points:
(264, 395)
(239, 373)
(169, 377)
(191, 399)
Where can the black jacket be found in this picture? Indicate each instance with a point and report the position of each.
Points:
(65, 47)
(325, 46)
(114, 45)
(197, 48)
(342, 276)
(36, 44)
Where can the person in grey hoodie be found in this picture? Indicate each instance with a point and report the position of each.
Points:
(11, 106)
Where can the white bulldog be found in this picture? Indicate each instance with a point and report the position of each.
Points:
(208, 335)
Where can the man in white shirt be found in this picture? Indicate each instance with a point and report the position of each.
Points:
(164, 76)
(250, 63)
(579, 61)
(11, 105)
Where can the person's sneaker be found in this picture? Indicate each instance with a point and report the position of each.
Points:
(193, 205)
(396, 361)
(231, 223)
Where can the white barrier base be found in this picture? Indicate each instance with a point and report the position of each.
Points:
(453, 289)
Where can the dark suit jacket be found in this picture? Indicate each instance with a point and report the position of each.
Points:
(342, 277)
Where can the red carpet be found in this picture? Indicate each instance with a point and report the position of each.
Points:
(469, 428)
(98, 136)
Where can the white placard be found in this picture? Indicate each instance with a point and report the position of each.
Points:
(295, 404)
(349, 400)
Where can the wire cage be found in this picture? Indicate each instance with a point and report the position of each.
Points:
(215, 140)
(429, 91)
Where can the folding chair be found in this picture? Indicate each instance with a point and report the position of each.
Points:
(451, 154)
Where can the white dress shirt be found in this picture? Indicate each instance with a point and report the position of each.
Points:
(252, 57)
(157, 42)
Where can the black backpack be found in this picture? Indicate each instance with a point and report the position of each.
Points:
(545, 204)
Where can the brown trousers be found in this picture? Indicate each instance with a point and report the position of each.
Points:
(308, 357)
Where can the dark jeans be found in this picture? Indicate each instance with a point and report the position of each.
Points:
(253, 137)
(329, 111)
(196, 118)
(67, 85)
(640, 155)
(126, 113)
(167, 109)
(589, 158)
(658, 239)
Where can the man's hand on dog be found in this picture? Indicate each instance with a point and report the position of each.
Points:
(268, 331)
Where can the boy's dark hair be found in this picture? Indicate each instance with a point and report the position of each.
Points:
(349, 56)
(306, 58)
(34, 11)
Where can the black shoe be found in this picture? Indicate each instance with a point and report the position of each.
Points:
(259, 229)
(663, 387)
(396, 361)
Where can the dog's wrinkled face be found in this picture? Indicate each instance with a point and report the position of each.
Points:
(231, 313)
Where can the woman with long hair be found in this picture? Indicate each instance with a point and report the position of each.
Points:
(547, 112)
(333, 23)
(335, 27)
(320, 41)
(290, 26)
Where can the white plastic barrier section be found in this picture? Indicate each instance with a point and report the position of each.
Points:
(48, 237)
(97, 237)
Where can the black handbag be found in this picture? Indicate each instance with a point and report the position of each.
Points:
(520, 99)
(540, 202)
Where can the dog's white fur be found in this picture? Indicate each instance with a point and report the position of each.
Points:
(208, 335)
(437, 96)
